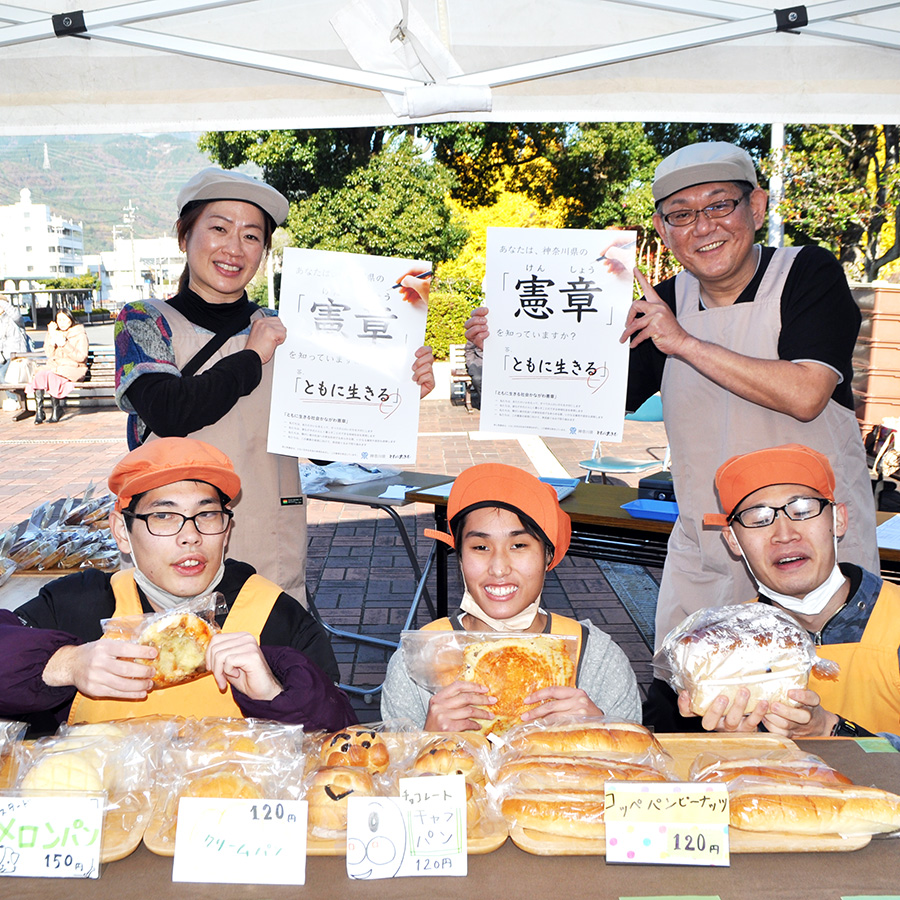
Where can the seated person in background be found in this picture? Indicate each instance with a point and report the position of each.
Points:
(509, 530)
(66, 348)
(782, 518)
(271, 661)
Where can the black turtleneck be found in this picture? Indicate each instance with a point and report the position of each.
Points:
(174, 406)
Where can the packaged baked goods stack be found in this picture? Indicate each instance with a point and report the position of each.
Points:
(800, 797)
(467, 754)
(718, 650)
(247, 759)
(550, 779)
(353, 762)
(118, 759)
(63, 534)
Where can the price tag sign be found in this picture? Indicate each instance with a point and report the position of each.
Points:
(51, 836)
(421, 832)
(240, 841)
(683, 823)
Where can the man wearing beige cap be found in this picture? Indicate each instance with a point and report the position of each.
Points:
(750, 347)
(783, 519)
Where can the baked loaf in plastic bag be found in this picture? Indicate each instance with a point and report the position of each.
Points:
(722, 649)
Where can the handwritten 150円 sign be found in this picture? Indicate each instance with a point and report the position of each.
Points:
(51, 836)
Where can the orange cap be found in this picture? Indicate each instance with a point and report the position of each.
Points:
(741, 475)
(165, 461)
(496, 484)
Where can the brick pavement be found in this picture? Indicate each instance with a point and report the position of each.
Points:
(357, 566)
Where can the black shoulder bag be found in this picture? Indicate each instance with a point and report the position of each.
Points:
(216, 342)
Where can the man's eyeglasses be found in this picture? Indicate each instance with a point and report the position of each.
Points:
(717, 210)
(168, 524)
(798, 510)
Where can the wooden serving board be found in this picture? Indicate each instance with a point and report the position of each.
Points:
(7, 771)
(682, 750)
(540, 844)
(124, 827)
(160, 841)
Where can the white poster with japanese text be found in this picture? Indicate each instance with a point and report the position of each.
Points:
(343, 387)
(558, 299)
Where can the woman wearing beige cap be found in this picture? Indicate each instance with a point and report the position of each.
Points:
(200, 364)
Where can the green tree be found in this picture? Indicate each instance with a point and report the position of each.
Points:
(667, 137)
(842, 190)
(71, 283)
(362, 190)
(393, 206)
(298, 163)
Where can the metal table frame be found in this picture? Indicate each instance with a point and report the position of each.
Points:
(368, 493)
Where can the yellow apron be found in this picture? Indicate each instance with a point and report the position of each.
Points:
(867, 689)
(198, 698)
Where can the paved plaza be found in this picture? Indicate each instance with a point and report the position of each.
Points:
(357, 569)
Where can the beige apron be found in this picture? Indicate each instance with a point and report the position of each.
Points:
(269, 536)
(706, 425)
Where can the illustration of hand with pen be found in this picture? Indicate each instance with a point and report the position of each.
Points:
(415, 285)
(618, 256)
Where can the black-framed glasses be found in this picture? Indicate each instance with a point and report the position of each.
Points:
(718, 210)
(168, 524)
(798, 510)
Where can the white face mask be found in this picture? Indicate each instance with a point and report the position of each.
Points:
(519, 622)
(161, 599)
(817, 599)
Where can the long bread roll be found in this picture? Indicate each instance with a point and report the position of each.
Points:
(853, 810)
(585, 738)
(788, 770)
(578, 815)
(568, 773)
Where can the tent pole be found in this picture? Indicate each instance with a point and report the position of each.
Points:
(776, 186)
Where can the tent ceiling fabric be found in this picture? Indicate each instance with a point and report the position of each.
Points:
(198, 65)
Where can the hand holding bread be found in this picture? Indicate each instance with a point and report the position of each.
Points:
(461, 706)
(104, 668)
(236, 659)
(721, 651)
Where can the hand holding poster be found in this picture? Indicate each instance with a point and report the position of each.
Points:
(553, 364)
(343, 387)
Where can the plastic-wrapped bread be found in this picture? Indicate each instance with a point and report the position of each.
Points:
(814, 809)
(512, 668)
(752, 645)
(573, 814)
(182, 640)
(568, 773)
(802, 769)
(584, 737)
(361, 747)
(328, 792)
(451, 755)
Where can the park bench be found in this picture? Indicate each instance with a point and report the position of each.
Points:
(98, 388)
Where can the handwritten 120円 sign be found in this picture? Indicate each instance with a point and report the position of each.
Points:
(681, 823)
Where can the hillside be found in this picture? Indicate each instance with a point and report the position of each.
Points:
(92, 177)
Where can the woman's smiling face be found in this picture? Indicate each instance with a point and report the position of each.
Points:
(224, 249)
(502, 564)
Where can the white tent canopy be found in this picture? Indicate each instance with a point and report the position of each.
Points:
(198, 65)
